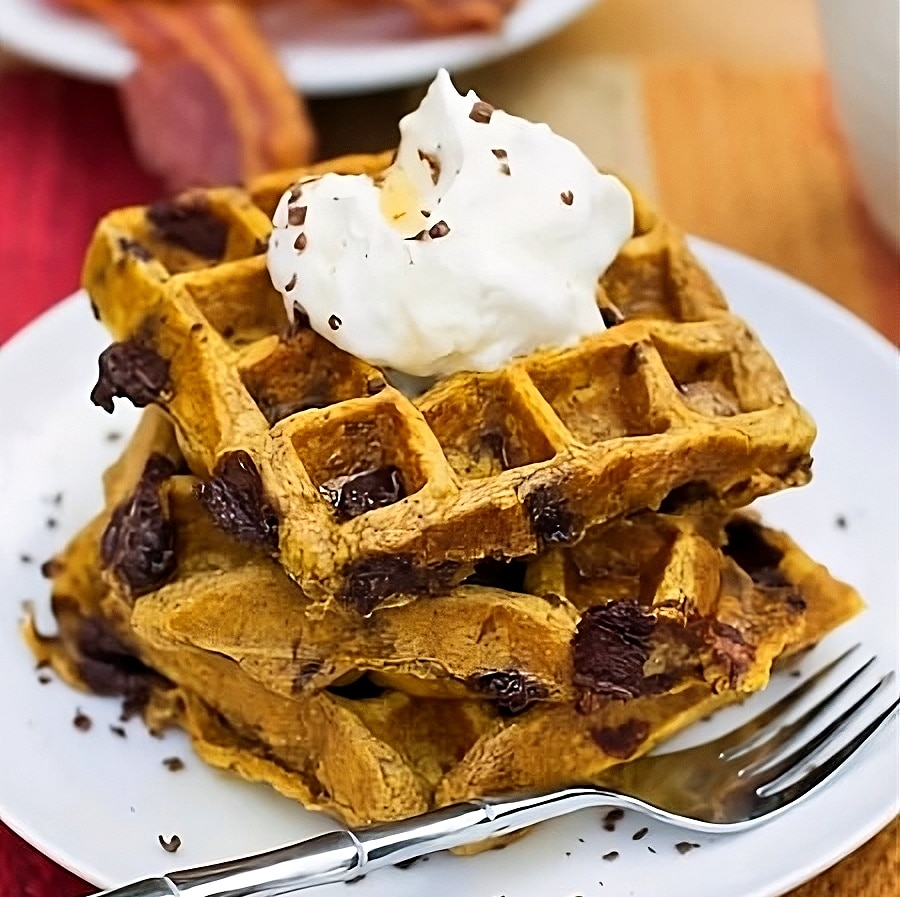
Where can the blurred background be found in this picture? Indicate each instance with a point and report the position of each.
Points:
(770, 127)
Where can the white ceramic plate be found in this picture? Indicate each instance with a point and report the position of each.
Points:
(360, 52)
(97, 802)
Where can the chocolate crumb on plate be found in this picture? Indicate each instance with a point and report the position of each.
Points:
(840, 521)
(113, 436)
(612, 855)
(26, 558)
(171, 845)
(651, 849)
(44, 679)
(640, 833)
(405, 864)
(173, 764)
(686, 846)
(118, 730)
(611, 818)
(82, 721)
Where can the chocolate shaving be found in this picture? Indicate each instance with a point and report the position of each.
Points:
(138, 544)
(118, 731)
(511, 690)
(171, 845)
(235, 499)
(297, 215)
(609, 649)
(300, 242)
(361, 492)
(334, 322)
(290, 284)
(440, 229)
(189, 221)
(567, 197)
(132, 371)
(481, 112)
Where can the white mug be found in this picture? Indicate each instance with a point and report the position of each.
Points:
(862, 45)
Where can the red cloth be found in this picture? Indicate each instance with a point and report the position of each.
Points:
(64, 162)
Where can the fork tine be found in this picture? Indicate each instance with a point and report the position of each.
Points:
(757, 748)
(770, 772)
(773, 800)
(754, 728)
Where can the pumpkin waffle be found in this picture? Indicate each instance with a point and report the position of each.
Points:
(367, 752)
(369, 497)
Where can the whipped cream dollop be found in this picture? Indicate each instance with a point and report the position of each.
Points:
(484, 240)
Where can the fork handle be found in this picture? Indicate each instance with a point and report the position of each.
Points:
(342, 855)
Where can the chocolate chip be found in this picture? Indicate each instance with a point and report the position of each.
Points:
(189, 221)
(134, 249)
(609, 650)
(196, 327)
(297, 217)
(481, 112)
(434, 165)
(552, 521)
(686, 846)
(82, 721)
(235, 499)
(567, 197)
(440, 229)
(511, 690)
(369, 580)
(138, 544)
(361, 492)
(291, 283)
(334, 322)
(171, 845)
(300, 242)
(133, 371)
(621, 741)
(173, 764)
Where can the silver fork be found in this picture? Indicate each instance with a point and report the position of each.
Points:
(732, 783)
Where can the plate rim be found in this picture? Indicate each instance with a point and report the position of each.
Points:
(707, 251)
(319, 69)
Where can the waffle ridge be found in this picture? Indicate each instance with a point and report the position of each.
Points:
(677, 406)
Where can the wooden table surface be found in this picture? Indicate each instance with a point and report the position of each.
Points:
(721, 111)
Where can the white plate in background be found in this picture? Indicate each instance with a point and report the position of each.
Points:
(362, 51)
(97, 803)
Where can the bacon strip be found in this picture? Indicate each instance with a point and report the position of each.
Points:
(445, 16)
(208, 102)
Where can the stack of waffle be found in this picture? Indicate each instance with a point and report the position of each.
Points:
(380, 603)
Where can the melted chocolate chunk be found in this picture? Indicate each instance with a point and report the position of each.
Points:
(732, 650)
(552, 521)
(235, 499)
(108, 666)
(370, 580)
(132, 371)
(749, 549)
(189, 222)
(354, 495)
(513, 692)
(621, 741)
(138, 544)
(609, 650)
